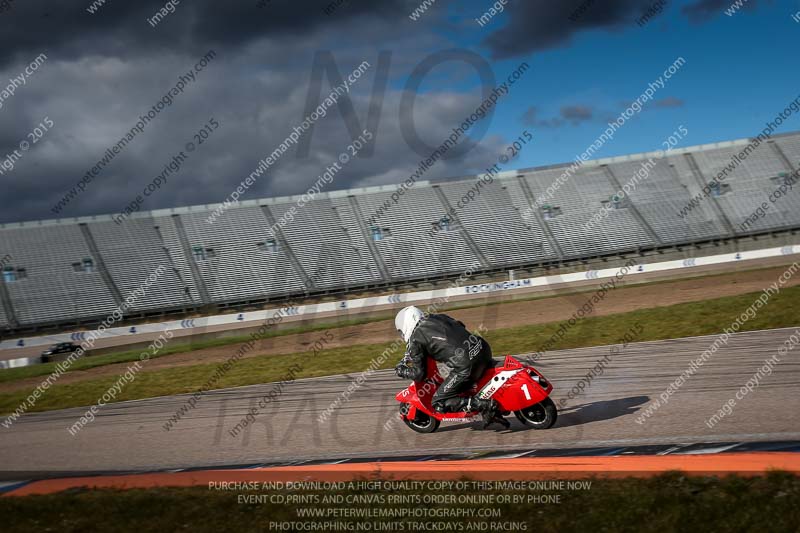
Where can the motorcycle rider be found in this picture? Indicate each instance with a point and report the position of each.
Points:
(447, 341)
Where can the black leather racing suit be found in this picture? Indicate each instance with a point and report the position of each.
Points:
(448, 341)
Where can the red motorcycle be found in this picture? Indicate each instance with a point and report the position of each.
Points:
(516, 387)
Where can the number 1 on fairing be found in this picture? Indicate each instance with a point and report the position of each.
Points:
(525, 390)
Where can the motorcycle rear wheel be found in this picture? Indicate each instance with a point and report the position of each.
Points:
(540, 416)
(422, 422)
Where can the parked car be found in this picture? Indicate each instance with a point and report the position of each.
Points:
(61, 347)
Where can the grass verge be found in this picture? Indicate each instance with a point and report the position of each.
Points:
(669, 502)
(93, 361)
(681, 320)
(181, 346)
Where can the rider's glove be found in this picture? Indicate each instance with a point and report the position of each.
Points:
(403, 371)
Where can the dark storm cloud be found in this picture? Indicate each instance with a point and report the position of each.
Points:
(570, 114)
(120, 28)
(103, 73)
(535, 25)
(668, 102)
(577, 113)
(530, 116)
(703, 10)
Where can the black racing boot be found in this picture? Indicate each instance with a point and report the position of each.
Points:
(497, 420)
(488, 410)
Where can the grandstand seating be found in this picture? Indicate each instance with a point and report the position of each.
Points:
(170, 237)
(3, 317)
(235, 268)
(132, 252)
(336, 255)
(82, 269)
(52, 290)
(514, 240)
(406, 249)
(660, 196)
(580, 199)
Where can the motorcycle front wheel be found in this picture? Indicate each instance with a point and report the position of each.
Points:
(421, 423)
(540, 416)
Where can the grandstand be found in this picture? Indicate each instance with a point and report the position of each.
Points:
(66, 272)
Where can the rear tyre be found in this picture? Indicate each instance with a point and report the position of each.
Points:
(421, 423)
(540, 416)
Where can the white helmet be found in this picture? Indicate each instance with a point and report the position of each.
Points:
(406, 320)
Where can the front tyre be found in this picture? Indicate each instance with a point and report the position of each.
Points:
(422, 423)
(540, 416)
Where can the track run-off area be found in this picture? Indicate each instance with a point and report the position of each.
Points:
(131, 436)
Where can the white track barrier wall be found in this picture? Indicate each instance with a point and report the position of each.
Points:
(255, 318)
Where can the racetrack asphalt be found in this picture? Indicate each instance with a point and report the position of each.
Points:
(130, 436)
